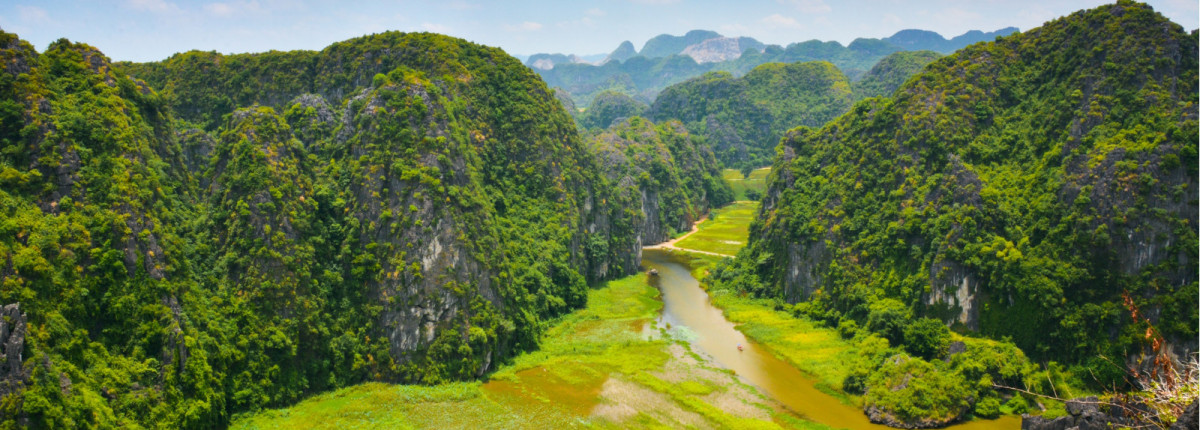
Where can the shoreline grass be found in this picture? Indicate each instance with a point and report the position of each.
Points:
(602, 367)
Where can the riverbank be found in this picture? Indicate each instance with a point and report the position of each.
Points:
(609, 365)
(831, 356)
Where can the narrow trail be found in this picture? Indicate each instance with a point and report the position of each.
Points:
(670, 244)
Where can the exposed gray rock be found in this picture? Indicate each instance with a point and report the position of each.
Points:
(1083, 405)
(879, 416)
(1188, 420)
(13, 374)
(1085, 414)
(1029, 422)
(719, 49)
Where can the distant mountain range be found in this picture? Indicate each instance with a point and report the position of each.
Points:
(922, 40)
(666, 59)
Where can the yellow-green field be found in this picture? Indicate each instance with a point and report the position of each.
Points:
(757, 180)
(605, 366)
(726, 230)
(818, 351)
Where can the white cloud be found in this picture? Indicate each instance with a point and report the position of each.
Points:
(892, 20)
(595, 12)
(233, 8)
(219, 9)
(733, 29)
(524, 26)
(435, 28)
(780, 21)
(462, 5)
(32, 15)
(809, 6)
(962, 17)
(149, 5)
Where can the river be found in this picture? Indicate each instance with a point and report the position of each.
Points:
(710, 334)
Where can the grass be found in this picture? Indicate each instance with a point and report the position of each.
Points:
(607, 357)
(725, 232)
(757, 180)
(816, 350)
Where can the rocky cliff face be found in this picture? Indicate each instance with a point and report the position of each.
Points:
(670, 178)
(721, 49)
(1008, 189)
(404, 207)
(13, 374)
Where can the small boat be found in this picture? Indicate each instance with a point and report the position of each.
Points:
(739, 347)
(653, 272)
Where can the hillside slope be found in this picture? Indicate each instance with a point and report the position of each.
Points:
(400, 207)
(892, 71)
(743, 118)
(1041, 188)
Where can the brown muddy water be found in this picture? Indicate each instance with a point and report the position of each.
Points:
(687, 309)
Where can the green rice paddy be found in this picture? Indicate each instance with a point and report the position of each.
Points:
(757, 181)
(605, 366)
(726, 230)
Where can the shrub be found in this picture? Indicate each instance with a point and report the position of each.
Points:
(912, 389)
(888, 317)
(848, 328)
(988, 408)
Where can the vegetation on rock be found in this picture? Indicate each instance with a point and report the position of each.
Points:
(397, 207)
(744, 118)
(1039, 189)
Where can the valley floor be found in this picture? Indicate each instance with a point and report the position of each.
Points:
(611, 365)
(608, 365)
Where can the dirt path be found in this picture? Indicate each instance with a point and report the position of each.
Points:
(670, 244)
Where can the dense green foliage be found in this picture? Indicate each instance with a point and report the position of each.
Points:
(403, 207)
(664, 170)
(892, 71)
(744, 118)
(1039, 189)
(608, 107)
(880, 374)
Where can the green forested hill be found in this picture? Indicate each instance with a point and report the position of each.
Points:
(676, 175)
(743, 118)
(608, 107)
(889, 73)
(245, 230)
(1041, 188)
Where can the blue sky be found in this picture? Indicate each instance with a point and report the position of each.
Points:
(146, 30)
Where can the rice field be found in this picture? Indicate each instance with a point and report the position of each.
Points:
(757, 180)
(725, 232)
(606, 366)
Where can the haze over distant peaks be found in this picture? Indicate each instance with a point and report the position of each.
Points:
(918, 40)
(623, 52)
(548, 61)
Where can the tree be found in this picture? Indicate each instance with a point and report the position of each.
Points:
(927, 338)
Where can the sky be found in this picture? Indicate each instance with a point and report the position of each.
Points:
(149, 30)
